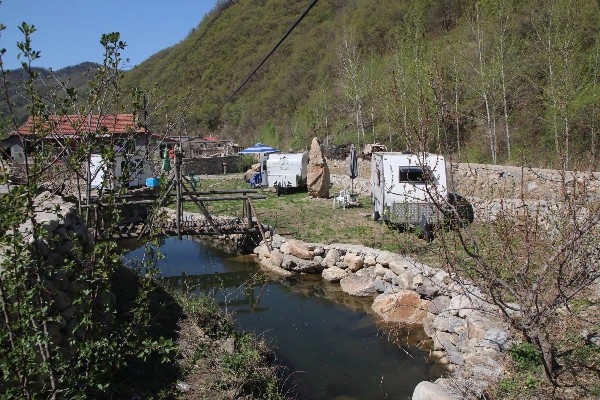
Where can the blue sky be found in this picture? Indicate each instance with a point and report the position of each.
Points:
(69, 31)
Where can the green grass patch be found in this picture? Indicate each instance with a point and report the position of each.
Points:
(298, 216)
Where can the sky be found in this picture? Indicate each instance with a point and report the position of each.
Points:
(69, 31)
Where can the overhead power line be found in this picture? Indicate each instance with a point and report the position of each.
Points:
(224, 7)
(271, 52)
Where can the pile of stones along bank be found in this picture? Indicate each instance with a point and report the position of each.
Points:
(467, 335)
(63, 245)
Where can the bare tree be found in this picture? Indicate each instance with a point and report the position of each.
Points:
(485, 83)
(531, 258)
(353, 71)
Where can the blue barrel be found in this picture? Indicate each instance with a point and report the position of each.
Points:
(152, 182)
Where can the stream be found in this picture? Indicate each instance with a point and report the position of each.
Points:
(329, 343)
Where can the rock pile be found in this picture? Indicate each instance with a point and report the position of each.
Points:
(63, 245)
(467, 334)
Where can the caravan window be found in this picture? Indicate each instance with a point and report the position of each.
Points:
(414, 174)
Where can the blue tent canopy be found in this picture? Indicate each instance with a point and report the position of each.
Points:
(259, 148)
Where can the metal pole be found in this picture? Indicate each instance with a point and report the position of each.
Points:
(248, 213)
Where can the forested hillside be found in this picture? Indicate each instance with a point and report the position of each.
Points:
(501, 81)
(491, 81)
(47, 84)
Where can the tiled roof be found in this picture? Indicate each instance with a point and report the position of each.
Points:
(76, 124)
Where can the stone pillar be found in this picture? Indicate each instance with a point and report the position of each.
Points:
(317, 174)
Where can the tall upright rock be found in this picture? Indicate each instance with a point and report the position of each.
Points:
(317, 175)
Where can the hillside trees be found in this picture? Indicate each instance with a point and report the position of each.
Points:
(414, 100)
(561, 40)
(353, 82)
(532, 260)
(511, 78)
(558, 41)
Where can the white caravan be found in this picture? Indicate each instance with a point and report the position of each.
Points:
(287, 170)
(138, 170)
(411, 190)
(405, 188)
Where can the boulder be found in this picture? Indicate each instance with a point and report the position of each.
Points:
(295, 264)
(334, 274)
(357, 285)
(439, 304)
(297, 249)
(332, 257)
(430, 391)
(276, 258)
(404, 306)
(385, 257)
(354, 261)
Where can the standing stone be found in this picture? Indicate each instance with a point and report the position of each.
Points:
(317, 174)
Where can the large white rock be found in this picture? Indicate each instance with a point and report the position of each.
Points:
(334, 274)
(430, 391)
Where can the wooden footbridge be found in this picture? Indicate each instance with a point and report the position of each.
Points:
(178, 190)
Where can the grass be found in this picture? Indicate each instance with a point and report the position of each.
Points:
(220, 362)
(298, 216)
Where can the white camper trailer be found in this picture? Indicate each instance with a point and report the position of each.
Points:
(136, 167)
(405, 185)
(412, 190)
(287, 170)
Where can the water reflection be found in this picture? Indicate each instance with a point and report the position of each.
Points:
(328, 340)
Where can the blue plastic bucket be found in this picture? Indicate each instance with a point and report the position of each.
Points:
(152, 182)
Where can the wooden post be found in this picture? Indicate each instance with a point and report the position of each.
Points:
(178, 157)
(248, 212)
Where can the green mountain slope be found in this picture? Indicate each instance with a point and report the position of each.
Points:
(210, 64)
(48, 84)
(486, 81)
(491, 81)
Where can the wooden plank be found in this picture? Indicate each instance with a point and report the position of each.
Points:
(208, 198)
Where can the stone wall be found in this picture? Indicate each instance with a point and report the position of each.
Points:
(495, 188)
(485, 182)
(211, 165)
(467, 334)
(63, 245)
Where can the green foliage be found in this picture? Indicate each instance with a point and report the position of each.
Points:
(528, 377)
(468, 75)
(526, 356)
(246, 161)
(61, 325)
(517, 388)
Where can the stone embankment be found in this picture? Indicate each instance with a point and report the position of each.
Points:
(467, 336)
(62, 243)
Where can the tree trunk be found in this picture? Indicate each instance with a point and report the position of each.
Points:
(541, 340)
